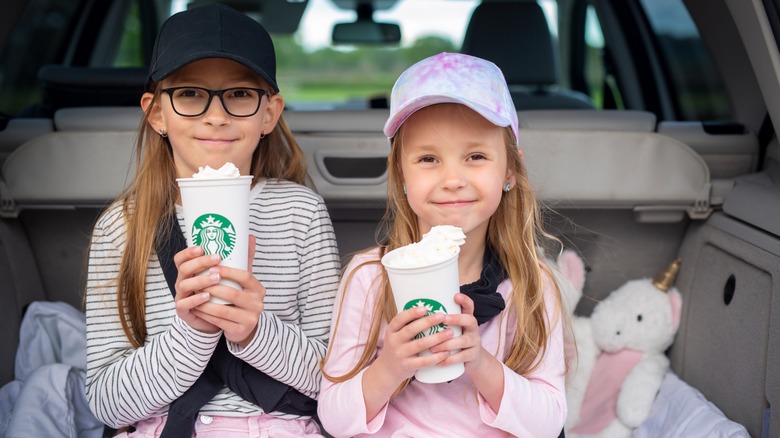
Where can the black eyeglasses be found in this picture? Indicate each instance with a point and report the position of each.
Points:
(194, 101)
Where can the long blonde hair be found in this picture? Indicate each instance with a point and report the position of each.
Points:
(514, 233)
(150, 200)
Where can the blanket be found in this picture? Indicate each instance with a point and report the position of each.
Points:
(47, 396)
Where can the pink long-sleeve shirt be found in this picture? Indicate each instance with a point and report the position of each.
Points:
(532, 406)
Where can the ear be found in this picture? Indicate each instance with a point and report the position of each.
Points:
(272, 112)
(675, 300)
(510, 177)
(155, 118)
(510, 174)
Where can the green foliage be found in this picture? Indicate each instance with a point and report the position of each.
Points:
(130, 53)
(352, 73)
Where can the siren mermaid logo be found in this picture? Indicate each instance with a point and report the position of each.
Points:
(431, 307)
(215, 234)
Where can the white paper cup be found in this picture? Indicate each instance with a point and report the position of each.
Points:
(216, 218)
(433, 287)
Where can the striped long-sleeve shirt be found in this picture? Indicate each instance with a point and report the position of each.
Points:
(296, 260)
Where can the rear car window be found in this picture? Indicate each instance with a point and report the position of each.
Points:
(690, 69)
(39, 37)
(316, 74)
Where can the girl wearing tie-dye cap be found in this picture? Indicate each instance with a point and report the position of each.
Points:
(453, 161)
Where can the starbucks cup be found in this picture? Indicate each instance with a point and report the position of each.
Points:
(433, 287)
(216, 218)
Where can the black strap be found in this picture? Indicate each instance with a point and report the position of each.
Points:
(223, 368)
(484, 292)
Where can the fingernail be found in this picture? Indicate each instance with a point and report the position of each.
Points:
(197, 250)
(205, 295)
(214, 276)
(215, 257)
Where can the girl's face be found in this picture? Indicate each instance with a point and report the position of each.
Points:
(214, 137)
(454, 165)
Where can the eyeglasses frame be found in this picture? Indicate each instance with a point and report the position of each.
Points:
(170, 90)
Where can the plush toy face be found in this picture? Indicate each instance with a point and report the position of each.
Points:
(636, 316)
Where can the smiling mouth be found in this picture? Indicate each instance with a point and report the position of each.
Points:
(453, 203)
(215, 140)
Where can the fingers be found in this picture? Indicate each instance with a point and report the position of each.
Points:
(413, 321)
(237, 321)
(245, 279)
(407, 325)
(252, 247)
(466, 303)
(196, 265)
(249, 299)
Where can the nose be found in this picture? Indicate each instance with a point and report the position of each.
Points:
(453, 177)
(215, 113)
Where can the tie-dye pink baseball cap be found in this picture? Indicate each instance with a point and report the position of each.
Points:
(452, 78)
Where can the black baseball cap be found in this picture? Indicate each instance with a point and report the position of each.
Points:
(212, 31)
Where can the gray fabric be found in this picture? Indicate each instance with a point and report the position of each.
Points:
(755, 198)
(615, 247)
(78, 167)
(21, 284)
(47, 398)
(110, 118)
(601, 120)
(613, 168)
(58, 239)
(365, 121)
(680, 411)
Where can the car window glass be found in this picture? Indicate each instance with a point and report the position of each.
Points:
(130, 52)
(601, 83)
(698, 89)
(315, 74)
(38, 38)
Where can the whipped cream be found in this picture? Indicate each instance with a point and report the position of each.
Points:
(437, 245)
(228, 170)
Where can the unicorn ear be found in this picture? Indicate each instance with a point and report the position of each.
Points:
(675, 300)
(573, 268)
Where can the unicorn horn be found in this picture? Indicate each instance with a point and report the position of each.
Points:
(665, 279)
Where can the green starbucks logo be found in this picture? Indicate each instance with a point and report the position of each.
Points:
(215, 234)
(431, 307)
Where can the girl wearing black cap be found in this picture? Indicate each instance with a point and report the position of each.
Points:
(161, 357)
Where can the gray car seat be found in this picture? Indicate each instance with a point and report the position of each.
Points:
(530, 68)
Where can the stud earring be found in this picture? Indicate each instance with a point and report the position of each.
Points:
(507, 187)
(404, 189)
(162, 133)
(262, 135)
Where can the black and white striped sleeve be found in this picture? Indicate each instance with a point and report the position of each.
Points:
(124, 384)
